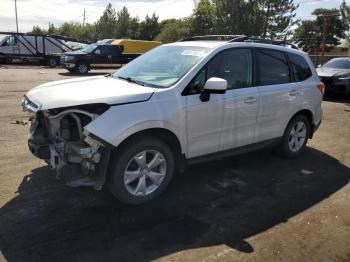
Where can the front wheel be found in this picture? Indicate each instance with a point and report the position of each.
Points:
(295, 137)
(82, 68)
(141, 171)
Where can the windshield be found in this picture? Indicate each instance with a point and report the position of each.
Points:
(163, 66)
(339, 63)
(2, 37)
(89, 49)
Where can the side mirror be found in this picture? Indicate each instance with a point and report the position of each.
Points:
(98, 52)
(213, 85)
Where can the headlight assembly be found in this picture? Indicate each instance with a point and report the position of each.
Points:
(68, 58)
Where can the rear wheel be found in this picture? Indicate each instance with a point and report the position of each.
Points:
(52, 62)
(295, 136)
(141, 170)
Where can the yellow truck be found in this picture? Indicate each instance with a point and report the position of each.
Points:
(129, 46)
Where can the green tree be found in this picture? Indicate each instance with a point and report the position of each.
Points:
(278, 17)
(232, 16)
(310, 33)
(52, 29)
(174, 30)
(204, 18)
(107, 23)
(134, 28)
(345, 14)
(37, 30)
(149, 28)
(308, 36)
(123, 23)
(335, 26)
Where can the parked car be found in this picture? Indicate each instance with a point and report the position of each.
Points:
(335, 74)
(107, 53)
(178, 104)
(95, 56)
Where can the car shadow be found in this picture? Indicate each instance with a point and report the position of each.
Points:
(221, 202)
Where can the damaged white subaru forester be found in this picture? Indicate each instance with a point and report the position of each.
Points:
(180, 103)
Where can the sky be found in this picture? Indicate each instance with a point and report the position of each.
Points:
(41, 12)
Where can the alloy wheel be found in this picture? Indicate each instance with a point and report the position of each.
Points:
(297, 136)
(145, 172)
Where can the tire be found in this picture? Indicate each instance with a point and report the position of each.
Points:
(82, 68)
(129, 189)
(286, 147)
(52, 62)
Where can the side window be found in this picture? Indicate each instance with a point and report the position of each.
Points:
(301, 68)
(11, 41)
(104, 50)
(115, 50)
(234, 65)
(273, 68)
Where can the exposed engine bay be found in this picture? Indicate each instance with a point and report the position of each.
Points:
(57, 136)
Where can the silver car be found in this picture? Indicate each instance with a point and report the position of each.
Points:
(180, 103)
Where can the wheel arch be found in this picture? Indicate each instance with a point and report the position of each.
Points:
(164, 135)
(82, 60)
(308, 113)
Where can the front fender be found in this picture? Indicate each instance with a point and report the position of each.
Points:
(122, 121)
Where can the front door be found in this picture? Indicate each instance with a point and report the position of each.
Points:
(227, 120)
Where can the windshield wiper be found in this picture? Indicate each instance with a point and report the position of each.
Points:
(129, 79)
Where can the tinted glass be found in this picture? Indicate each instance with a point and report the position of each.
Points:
(89, 49)
(300, 67)
(338, 63)
(234, 65)
(273, 67)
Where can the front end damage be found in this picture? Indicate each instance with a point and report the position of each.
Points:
(58, 137)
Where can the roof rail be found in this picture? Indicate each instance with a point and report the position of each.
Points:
(212, 38)
(264, 41)
(239, 38)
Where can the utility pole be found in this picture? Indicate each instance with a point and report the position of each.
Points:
(84, 18)
(325, 25)
(324, 33)
(16, 15)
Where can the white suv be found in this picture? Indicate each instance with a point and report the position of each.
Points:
(179, 103)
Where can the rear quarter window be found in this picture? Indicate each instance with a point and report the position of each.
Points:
(300, 67)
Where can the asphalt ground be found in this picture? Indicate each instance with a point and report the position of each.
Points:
(253, 207)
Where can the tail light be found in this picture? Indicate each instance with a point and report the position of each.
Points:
(321, 87)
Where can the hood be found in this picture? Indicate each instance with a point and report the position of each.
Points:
(88, 90)
(76, 52)
(329, 72)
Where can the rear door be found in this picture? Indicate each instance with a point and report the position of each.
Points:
(278, 92)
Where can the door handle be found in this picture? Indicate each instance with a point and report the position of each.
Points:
(293, 92)
(250, 100)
